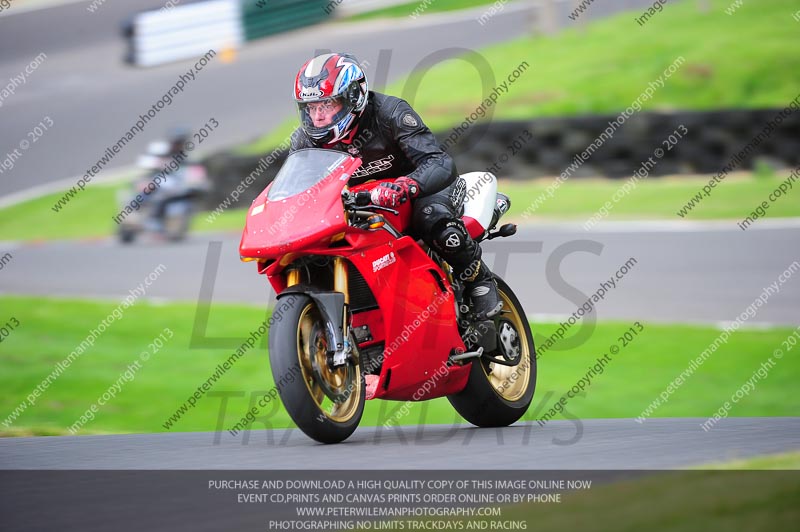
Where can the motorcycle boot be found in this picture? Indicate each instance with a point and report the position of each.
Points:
(437, 220)
(482, 289)
(469, 270)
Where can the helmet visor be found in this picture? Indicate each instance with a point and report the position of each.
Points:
(320, 116)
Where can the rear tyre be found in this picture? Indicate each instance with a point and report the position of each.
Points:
(498, 395)
(326, 404)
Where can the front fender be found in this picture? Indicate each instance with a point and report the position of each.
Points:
(330, 305)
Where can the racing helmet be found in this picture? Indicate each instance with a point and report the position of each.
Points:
(336, 78)
(156, 157)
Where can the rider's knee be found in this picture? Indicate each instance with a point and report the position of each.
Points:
(450, 237)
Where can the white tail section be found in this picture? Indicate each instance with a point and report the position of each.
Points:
(481, 197)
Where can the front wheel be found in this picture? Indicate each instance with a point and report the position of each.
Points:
(325, 403)
(498, 395)
(126, 234)
(176, 222)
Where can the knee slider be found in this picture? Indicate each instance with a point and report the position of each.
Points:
(450, 237)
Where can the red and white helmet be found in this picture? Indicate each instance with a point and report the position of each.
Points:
(331, 77)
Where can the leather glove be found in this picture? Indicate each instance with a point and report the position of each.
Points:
(393, 193)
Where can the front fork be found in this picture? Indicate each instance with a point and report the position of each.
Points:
(334, 307)
(341, 285)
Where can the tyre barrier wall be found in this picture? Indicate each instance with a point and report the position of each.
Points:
(188, 31)
(713, 139)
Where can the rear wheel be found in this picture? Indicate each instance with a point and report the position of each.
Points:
(326, 403)
(498, 395)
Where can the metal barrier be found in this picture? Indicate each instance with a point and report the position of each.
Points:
(182, 32)
(158, 37)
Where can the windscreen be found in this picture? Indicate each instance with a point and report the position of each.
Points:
(302, 170)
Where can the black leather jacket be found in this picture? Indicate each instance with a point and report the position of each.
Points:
(392, 141)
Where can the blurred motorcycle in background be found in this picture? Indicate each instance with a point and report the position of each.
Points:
(163, 201)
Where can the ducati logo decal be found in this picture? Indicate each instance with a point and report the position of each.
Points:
(381, 263)
(409, 120)
(452, 241)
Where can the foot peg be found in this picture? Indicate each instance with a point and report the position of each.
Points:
(465, 356)
(491, 313)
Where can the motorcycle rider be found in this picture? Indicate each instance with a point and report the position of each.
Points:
(166, 152)
(338, 111)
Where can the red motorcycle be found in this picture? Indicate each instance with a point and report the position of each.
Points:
(370, 313)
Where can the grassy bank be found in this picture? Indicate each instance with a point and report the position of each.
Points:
(750, 60)
(420, 8)
(652, 199)
(576, 199)
(50, 329)
(668, 501)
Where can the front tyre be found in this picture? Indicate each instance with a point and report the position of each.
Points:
(177, 219)
(126, 235)
(498, 395)
(326, 404)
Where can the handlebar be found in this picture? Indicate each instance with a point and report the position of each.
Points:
(354, 201)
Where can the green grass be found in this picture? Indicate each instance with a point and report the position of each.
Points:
(790, 460)
(759, 493)
(51, 328)
(89, 214)
(684, 501)
(750, 60)
(420, 8)
(576, 199)
(653, 198)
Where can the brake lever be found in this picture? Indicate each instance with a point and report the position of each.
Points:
(361, 201)
(378, 207)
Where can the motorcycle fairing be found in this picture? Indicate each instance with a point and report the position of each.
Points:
(418, 321)
(406, 283)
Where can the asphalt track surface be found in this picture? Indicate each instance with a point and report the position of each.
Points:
(701, 273)
(93, 98)
(609, 444)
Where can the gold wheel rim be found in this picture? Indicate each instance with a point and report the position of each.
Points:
(511, 382)
(311, 343)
